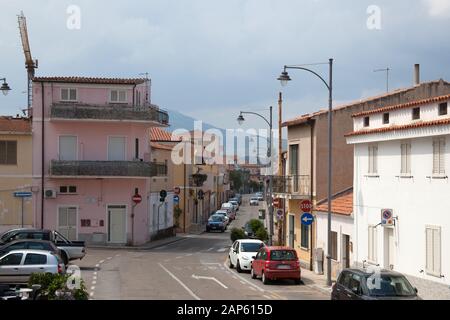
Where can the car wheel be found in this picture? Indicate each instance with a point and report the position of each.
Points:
(230, 265)
(264, 279)
(298, 281)
(238, 267)
(253, 274)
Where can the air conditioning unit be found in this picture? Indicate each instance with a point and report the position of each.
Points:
(50, 194)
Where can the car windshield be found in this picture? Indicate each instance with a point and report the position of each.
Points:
(5, 235)
(251, 247)
(390, 285)
(216, 218)
(280, 255)
(255, 199)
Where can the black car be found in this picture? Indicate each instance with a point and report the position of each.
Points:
(29, 244)
(360, 284)
(216, 222)
(249, 233)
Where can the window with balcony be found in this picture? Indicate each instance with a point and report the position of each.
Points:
(8, 152)
(68, 94)
(118, 96)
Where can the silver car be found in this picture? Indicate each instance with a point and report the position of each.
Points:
(17, 266)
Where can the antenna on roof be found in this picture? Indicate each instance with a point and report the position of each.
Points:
(387, 76)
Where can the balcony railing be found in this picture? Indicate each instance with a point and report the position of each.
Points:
(75, 111)
(296, 185)
(107, 168)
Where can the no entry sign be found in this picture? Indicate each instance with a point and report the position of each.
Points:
(306, 206)
(137, 198)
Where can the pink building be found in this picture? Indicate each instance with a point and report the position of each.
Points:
(91, 154)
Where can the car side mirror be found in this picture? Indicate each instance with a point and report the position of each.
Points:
(356, 291)
(415, 289)
(254, 257)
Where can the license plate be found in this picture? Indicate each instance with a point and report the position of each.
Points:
(213, 227)
(283, 266)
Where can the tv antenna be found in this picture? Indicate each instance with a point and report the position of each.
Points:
(387, 76)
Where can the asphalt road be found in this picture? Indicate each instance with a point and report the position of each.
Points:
(194, 268)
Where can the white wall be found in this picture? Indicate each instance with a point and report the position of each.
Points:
(417, 202)
(164, 223)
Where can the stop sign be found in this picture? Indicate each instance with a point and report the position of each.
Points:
(137, 198)
(306, 206)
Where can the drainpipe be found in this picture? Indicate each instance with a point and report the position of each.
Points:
(184, 198)
(311, 194)
(134, 101)
(42, 155)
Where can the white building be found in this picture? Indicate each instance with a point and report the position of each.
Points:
(402, 163)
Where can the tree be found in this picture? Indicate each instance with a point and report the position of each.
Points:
(236, 179)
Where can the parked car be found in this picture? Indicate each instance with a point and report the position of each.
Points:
(254, 201)
(260, 196)
(16, 266)
(359, 284)
(31, 244)
(248, 231)
(225, 215)
(230, 214)
(242, 252)
(272, 263)
(70, 250)
(235, 204)
(216, 222)
(238, 196)
(228, 206)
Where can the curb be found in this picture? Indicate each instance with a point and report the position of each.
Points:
(136, 248)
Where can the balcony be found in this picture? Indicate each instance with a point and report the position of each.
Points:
(75, 111)
(62, 168)
(297, 185)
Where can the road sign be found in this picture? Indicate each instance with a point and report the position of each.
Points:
(176, 199)
(23, 194)
(176, 190)
(306, 206)
(137, 198)
(277, 203)
(280, 214)
(200, 194)
(307, 219)
(387, 217)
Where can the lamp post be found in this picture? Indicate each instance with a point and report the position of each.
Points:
(284, 79)
(5, 87)
(241, 120)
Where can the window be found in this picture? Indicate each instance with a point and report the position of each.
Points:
(17, 246)
(372, 250)
(68, 148)
(405, 158)
(12, 259)
(373, 159)
(293, 159)
(8, 152)
(68, 94)
(39, 246)
(366, 121)
(304, 236)
(386, 118)
(443, 108)
(334, 245)
(433, 250)
(33, 258)
(67, 189)
(116, 148)
(439, 156)
(416, 113)
(118, 96)
(355, 284)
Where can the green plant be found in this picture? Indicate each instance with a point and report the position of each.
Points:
(237, 234)
(177, 213)
(262, 234)
(256, 225)
(54, 287)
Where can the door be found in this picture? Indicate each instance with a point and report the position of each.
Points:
(291, 230)
(116, 149)
(389, 248)
(34, 263)
(67, 222)
(10, 268)
(117, 224)
(234, 253)
(68, 148)
(345, 251)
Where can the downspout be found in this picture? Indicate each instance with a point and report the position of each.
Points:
(312, 123)
(42, 155)
(134, 101)
(184, 197)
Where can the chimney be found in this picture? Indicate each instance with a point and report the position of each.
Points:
(416, 74)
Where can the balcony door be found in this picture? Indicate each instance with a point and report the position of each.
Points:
(116, 148)
(293, 165)
(68, 148)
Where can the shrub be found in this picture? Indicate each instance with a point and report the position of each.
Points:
(237, 234)
(54, 287)
(256, 225)
(262, 234)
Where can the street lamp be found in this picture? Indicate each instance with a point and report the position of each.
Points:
(5, 87)
(241, 120)
(284, 78)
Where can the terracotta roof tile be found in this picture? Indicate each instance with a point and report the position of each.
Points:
(15, 125)
(158, 135)
(341, 204)
(401, 127)
(160, 146)
(90, 80)
(404, 105)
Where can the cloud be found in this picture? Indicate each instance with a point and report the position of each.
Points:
(438, 8)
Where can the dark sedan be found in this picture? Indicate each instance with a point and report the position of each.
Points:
(29, 244)
(360, 284)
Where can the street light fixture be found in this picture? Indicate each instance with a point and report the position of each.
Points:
(241, 120)
(5, 87)
(284, 79)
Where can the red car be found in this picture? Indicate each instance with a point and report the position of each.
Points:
(272, 263)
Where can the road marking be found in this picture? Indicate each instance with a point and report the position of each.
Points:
(248, 282)
(91, 294)
(94, 282)
(93, 288)
(97, 265)
(94, 278)
(101, 261)
(180, 282)
(95, 273)
(109, 258)
(251, 288)
(267, 297)
(209, 278)
(210, 249)
(222, 250)
(188, 255)
(242, 282)
(179, 257)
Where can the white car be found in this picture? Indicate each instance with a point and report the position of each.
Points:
(242, 252)
(235, 205)
(254, 201)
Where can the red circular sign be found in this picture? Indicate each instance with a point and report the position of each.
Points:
(306, 206)
(137, 198)
(177, 190)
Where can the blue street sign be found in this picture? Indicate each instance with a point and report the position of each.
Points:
(23, 194)
(307, 219)
(176, 199)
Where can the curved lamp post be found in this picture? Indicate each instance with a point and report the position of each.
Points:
(5, 87)
(241, 120)
(284, 79)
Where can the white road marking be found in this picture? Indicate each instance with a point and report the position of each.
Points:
(101, 261)
(267, 297)
(94, 282)
(109, 258)
(180, 282)
(91, 294)
(95, 273)
(188, 255)
(92, 288)
(222, 250)
(245, 280)
(179, 257)
(117, 255)
(251, 288)
(97, 265)
(94, 278)
(209, 278)
(210, 249)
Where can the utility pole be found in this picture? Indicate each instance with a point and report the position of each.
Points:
(280, 162)
(387, 76)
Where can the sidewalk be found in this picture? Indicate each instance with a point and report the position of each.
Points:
(146, 246)
(315, 281)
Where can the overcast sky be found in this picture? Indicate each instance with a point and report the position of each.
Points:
(211, 58)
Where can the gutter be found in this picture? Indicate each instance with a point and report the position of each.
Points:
(42, 155)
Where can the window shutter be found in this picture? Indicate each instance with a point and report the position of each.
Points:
(113, 95)
(408, 158)
(441, 156)
(370, 160)
(437, 251)
(435, 157)
(11, 152)
(73, 94)
(64, 94)
(122, 96)
(429, 249)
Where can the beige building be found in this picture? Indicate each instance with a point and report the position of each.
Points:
(15, 172)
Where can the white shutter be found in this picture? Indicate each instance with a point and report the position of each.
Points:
(116, 149)
(114, 96)
(64, 94)
(441, 156)
(73, 94)
(437, 251)
(370, 159)
(67, 148)
(429, 249)
(433, 251)
(122, 96)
